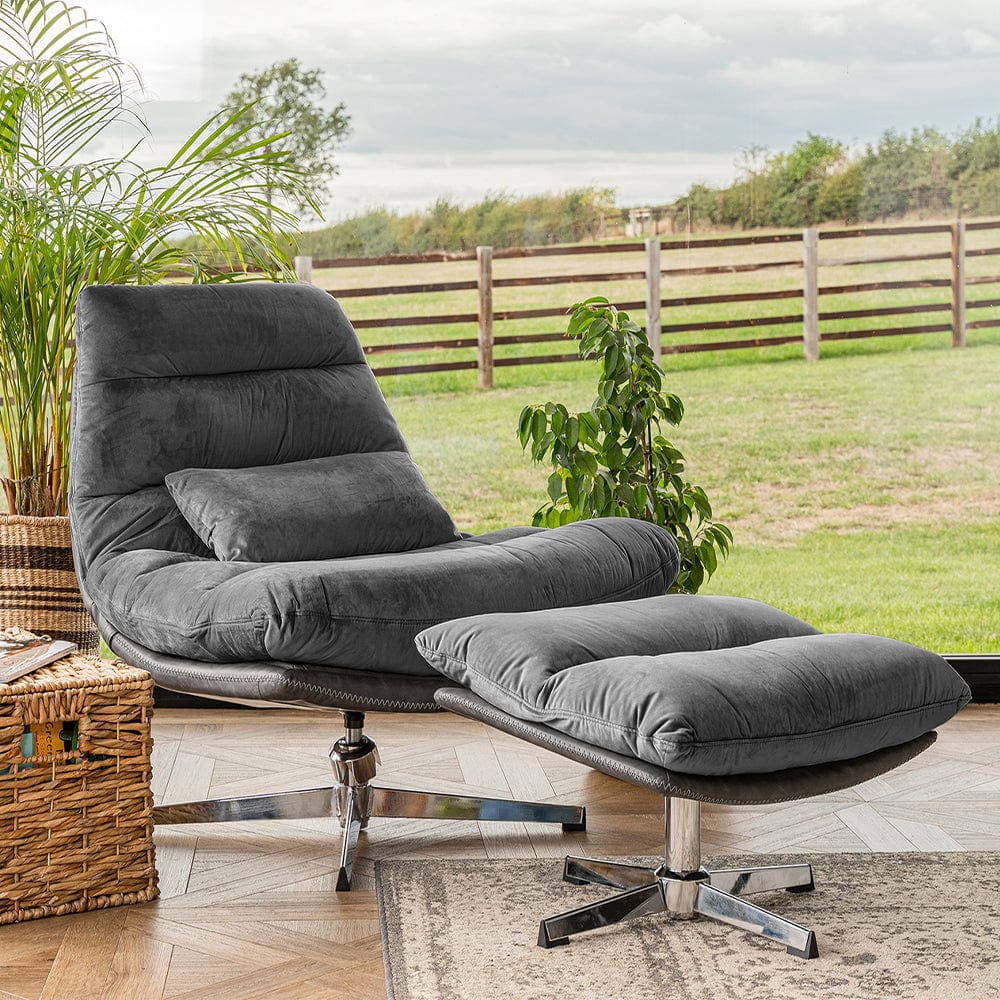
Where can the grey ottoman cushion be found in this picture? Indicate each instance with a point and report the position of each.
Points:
(702, 685)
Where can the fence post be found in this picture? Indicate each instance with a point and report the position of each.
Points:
(484, 256)
(653, 325)
(303, 268)
(958, 283)
(810, 293)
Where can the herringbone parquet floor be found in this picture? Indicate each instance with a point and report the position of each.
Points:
(249, 911)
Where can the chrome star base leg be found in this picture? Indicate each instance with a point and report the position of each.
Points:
(354, 800)
(682, 888)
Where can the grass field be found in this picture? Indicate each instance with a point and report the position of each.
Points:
(864, 490)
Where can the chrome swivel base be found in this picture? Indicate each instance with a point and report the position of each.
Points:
(682, 888)
(354, 800)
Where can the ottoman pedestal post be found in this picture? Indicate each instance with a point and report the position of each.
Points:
(683, 888)
(682, 835)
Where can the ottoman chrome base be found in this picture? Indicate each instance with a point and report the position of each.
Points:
(682, 888)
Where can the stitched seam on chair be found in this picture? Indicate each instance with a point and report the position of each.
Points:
(248, 371)
(243, 678)
(681, 744)
(406, 706)
(509, 722)
(152, 666)
(190, 630)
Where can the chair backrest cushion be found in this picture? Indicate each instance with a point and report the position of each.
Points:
(173, 377)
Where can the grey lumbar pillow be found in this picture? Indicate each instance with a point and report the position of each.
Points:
(322, 508)
(701, 685)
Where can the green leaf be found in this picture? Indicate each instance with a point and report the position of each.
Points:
(600, 494)
(555, 486)
(572, 432)
(612, 358)
(538, 424)
(572, 485)
(524, 426)
(588, 462)
(708, 558)
(613, 457)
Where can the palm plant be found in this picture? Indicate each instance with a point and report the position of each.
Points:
(71, 215)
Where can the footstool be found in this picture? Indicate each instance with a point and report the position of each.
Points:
(702, 699)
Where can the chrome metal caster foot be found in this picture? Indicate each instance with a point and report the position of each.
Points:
(810, 951)
(637, 902)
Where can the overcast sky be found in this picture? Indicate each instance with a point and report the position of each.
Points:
(456, 98)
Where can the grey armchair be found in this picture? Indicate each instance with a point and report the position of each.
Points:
(271, 378)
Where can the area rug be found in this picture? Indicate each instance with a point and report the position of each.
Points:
(889, 926)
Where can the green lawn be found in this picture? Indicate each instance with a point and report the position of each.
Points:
(864, 490)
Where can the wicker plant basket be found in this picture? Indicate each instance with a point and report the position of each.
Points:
(76, 826)
(38, 584)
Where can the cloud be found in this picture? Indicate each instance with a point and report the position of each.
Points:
(170, 61)
(825, 25)
(980, 42)
(784, 72)
(444, 90)
(675, 32)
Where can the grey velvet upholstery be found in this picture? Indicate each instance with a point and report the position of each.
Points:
(249, 375)
(322, 508)
(700, 685)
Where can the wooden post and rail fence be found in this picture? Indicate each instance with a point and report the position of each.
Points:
(487, 318)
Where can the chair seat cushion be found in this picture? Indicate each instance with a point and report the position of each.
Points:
(364, 611)
(698, 684)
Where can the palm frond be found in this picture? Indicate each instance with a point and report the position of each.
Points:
(69, 219)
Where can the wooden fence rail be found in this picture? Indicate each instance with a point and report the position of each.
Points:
(657, 309)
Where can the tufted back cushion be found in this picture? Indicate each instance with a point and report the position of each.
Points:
(171, 377)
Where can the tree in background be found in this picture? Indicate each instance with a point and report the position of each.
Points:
(839, 196)
(613, 460)
(288, 98)
(906, 173)
(753, 189)
(800, 174)
(922, 172)
(499, 220)
(974, 169)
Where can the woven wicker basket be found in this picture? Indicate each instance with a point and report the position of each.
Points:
(76, 826)
(38, 584)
